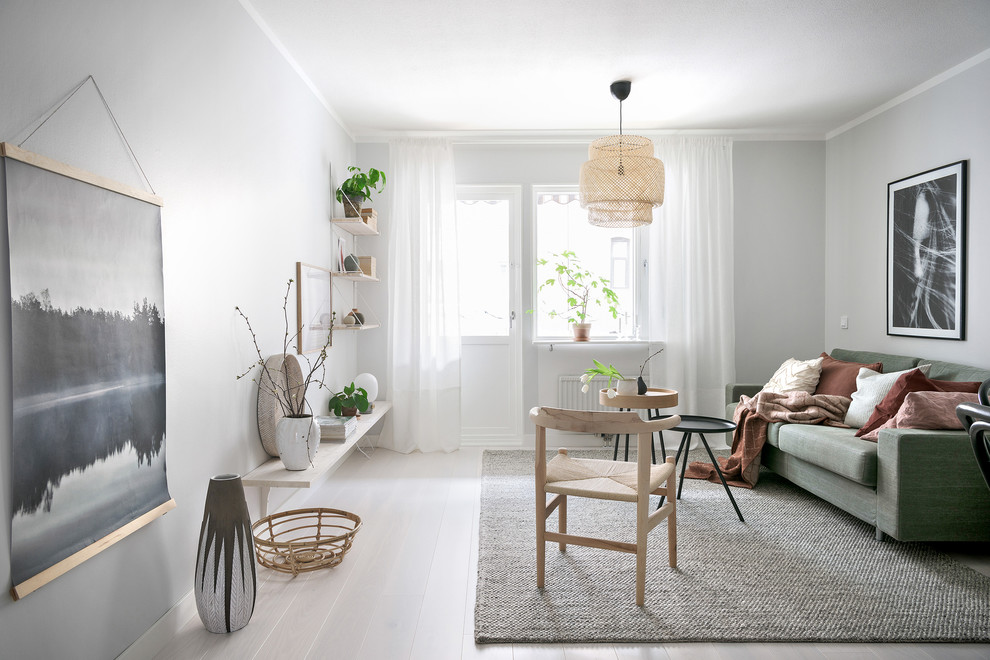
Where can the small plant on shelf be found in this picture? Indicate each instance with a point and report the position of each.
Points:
(353, 192)
(350, 400)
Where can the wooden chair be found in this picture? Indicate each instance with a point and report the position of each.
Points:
(606, 480)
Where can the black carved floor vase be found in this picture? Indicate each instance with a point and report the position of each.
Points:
(225, 582)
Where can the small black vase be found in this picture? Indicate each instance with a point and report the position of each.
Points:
(225, 583)
(641, 384)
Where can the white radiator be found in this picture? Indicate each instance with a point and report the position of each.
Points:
(570, 396)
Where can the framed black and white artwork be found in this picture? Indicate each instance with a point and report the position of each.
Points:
(926, 254)
(87, 321)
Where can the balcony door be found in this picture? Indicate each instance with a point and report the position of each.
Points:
(489, 243)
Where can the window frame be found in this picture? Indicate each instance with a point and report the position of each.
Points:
(639, 280)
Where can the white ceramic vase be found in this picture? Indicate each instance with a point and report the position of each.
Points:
(298, 439)
(627, 387)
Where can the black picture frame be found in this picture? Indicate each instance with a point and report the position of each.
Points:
(926, 254)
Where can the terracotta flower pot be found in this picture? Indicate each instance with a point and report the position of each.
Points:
(582, 331)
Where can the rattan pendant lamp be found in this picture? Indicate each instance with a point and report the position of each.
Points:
(622, 182)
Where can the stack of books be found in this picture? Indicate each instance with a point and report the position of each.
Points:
(336, 428)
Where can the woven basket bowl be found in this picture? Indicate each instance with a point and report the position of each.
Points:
(304, 540)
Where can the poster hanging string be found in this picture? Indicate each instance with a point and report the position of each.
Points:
(106, 106)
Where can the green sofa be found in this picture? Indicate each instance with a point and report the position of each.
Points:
(913, 485)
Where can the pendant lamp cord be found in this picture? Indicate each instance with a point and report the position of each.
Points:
(106, 106)
(622, 169)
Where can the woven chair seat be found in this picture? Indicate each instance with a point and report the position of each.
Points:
(603, 480)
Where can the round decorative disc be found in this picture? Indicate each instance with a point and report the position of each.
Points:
(287, 373)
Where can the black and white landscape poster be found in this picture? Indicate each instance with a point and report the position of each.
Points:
(88, 363)
(926, 249)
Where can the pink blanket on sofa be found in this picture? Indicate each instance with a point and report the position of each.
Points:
(752, 417)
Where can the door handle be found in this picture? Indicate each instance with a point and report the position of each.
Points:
(512, 317)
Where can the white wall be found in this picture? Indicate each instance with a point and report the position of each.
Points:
(372, 345)
(945, 124)
(779, 196)
(239, 149)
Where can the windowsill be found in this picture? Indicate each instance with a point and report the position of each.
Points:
(593, 340)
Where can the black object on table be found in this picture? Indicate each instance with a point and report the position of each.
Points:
(691, 424)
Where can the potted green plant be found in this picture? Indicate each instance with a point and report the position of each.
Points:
(349, 401)
(357, 188)
(580, 287)
(624, 385)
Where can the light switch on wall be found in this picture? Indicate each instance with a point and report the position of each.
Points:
(844, 322)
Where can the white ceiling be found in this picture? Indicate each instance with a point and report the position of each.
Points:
(776, 66)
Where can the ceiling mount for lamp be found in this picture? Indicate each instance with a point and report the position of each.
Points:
(621, 182)
(620, 89)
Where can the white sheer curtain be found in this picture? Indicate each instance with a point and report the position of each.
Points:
(424, 345)
(691, 280)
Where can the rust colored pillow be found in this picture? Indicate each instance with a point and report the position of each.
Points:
(912, 381)
(839, 377)
(926, 410)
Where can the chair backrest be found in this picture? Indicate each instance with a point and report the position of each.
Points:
(976, 420)
(588, 421)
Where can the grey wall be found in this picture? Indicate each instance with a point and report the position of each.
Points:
(240, 150)
(779, 195)
(942, 125)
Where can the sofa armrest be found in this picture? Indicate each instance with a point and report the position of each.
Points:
(930, 488)
(734, 390)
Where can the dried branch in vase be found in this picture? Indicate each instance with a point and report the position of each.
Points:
(292, 399)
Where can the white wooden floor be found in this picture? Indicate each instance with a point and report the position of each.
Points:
(406, 589)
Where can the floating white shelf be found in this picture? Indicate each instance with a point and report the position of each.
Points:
(272, 474)
(356, 226)
(364, 326)
(354, 276)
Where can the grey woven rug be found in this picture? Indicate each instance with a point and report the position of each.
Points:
(798, 570)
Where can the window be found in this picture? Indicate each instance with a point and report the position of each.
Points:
(483, 231)
(562, 225)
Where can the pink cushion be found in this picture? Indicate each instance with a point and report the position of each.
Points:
(926, 410)
(839, 377)
(911, 381)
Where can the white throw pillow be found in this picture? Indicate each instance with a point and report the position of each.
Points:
(871, 388)
(796, 376)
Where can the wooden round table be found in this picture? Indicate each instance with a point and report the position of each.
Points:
(652, 402)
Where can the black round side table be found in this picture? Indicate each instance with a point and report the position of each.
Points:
(691, 424)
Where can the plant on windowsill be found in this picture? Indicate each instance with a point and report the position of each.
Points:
(580, 287)
(353, 192)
